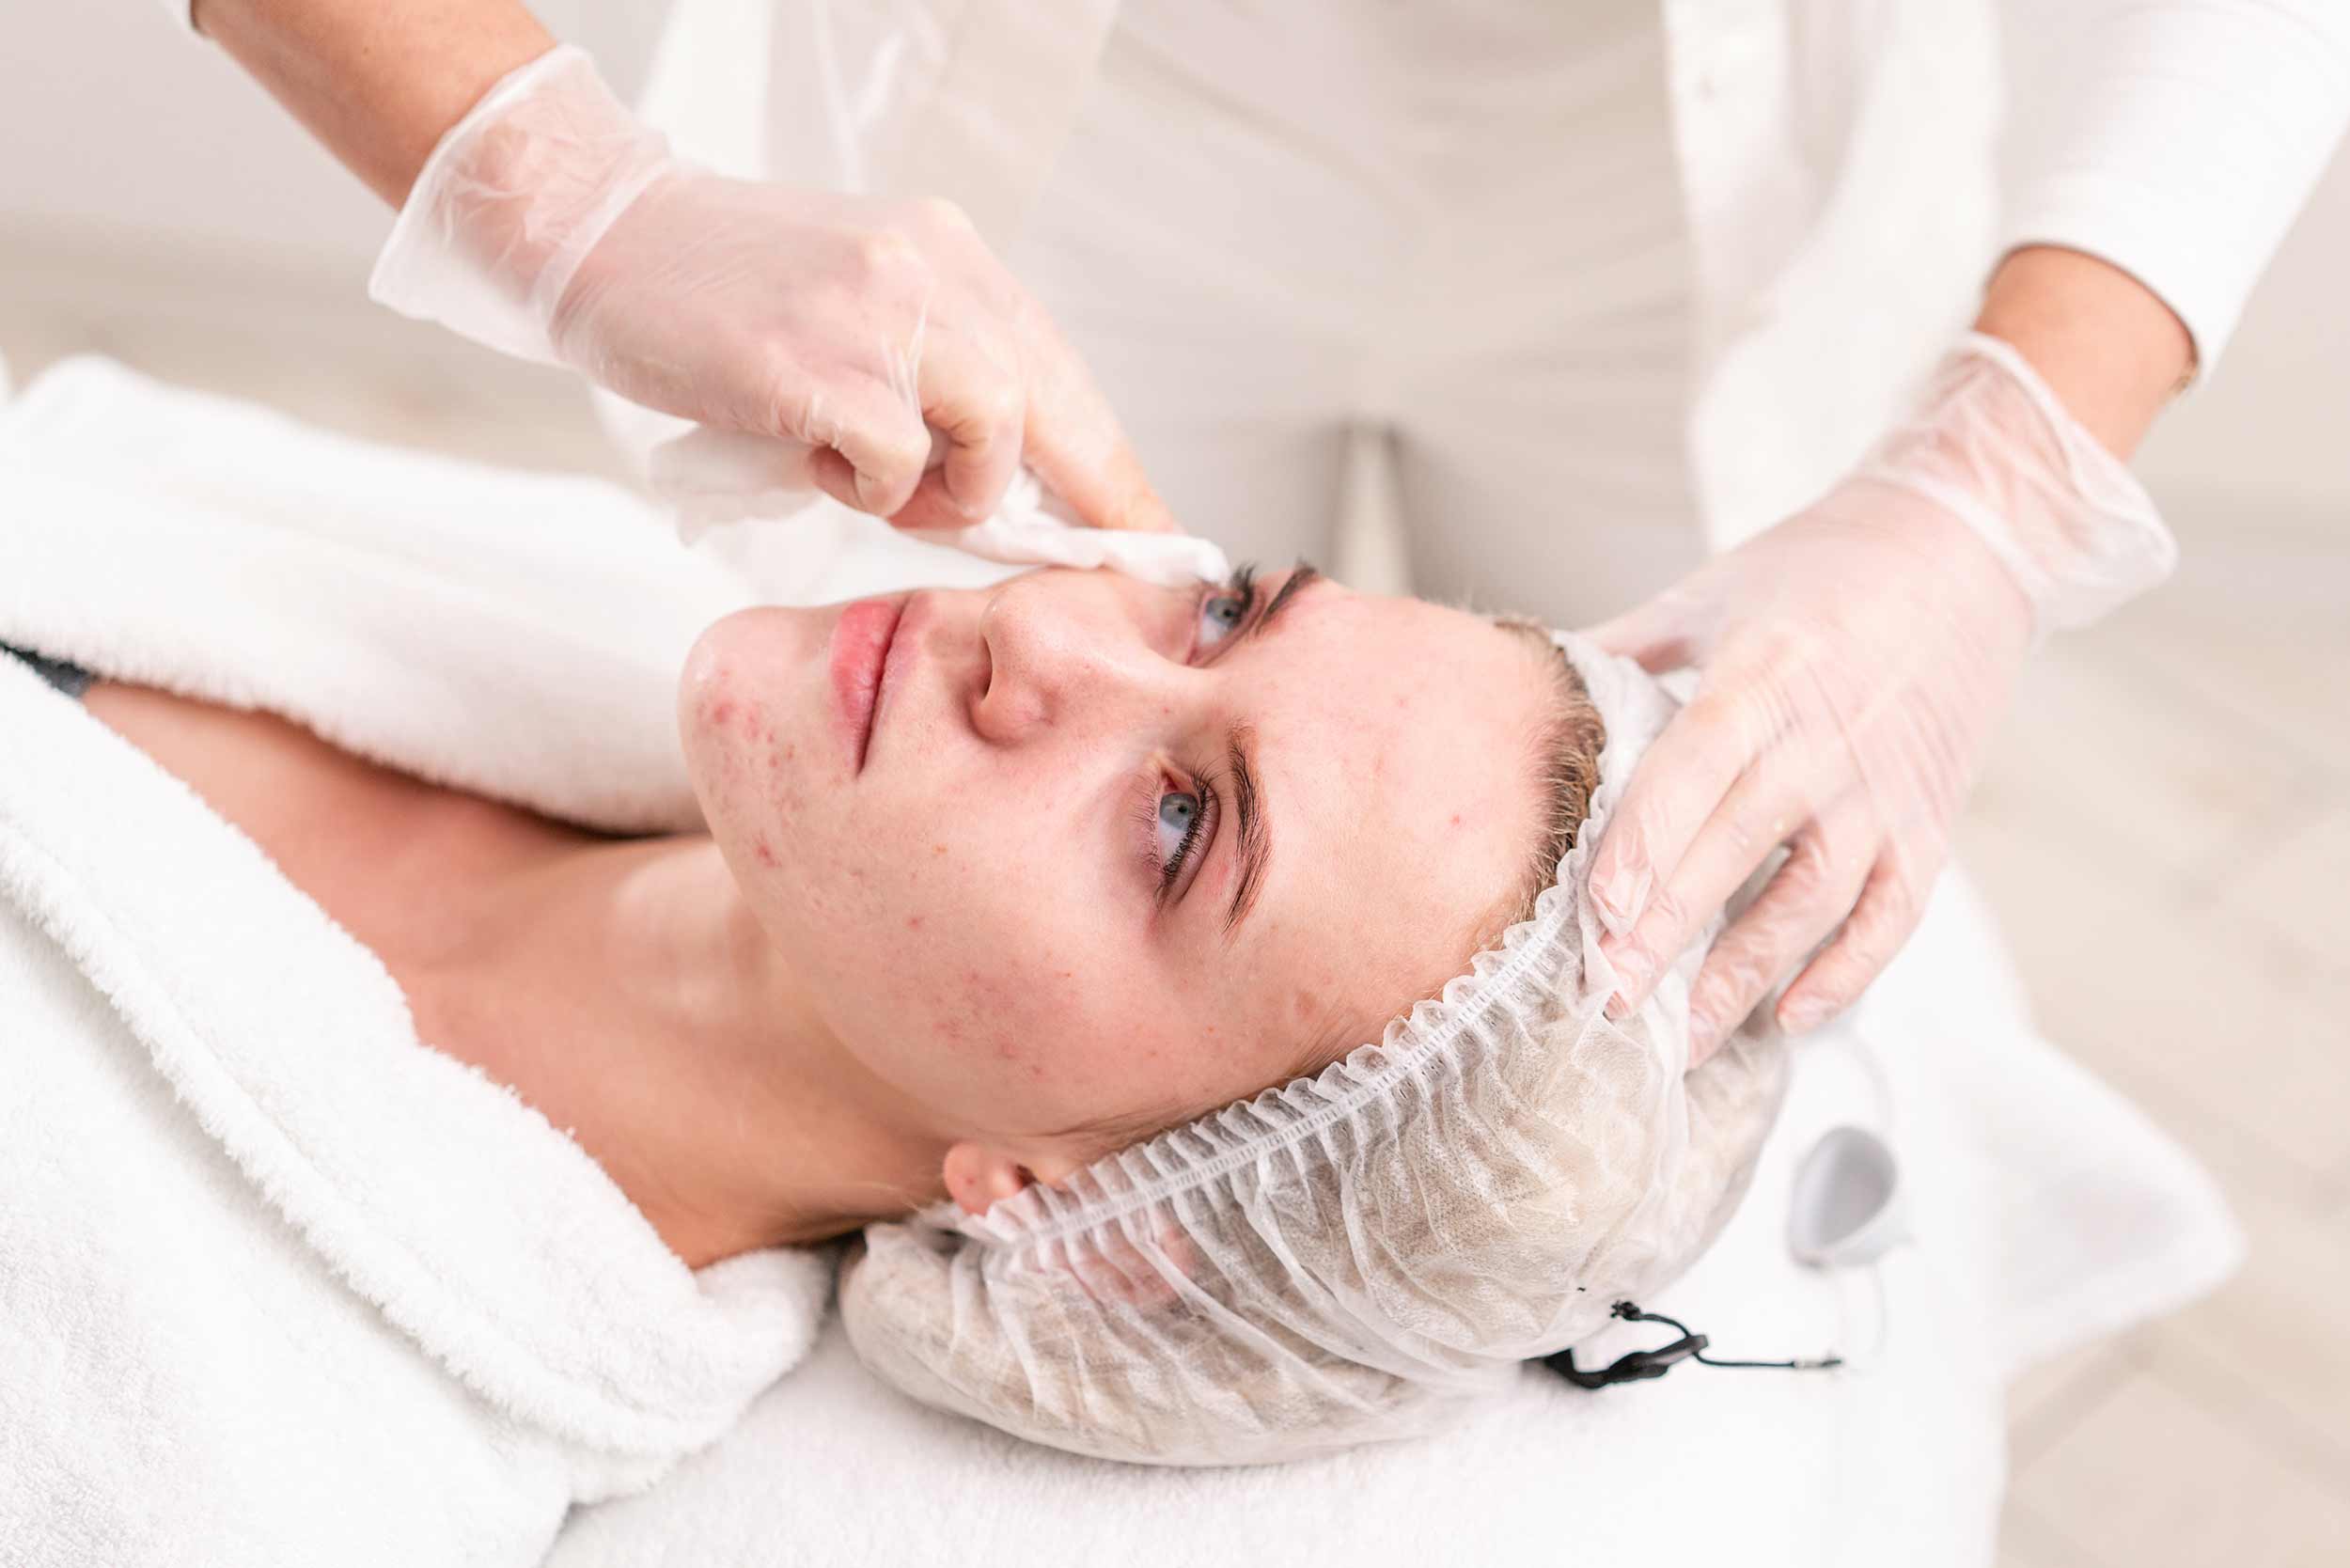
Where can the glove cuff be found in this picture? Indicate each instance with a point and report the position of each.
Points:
(513, 197)
(1993, 447)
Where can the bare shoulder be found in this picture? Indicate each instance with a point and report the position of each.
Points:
(371, 845)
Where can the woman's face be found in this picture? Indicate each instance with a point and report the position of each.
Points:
(1109, 855)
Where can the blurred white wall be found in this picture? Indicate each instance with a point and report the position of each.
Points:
(128, 141)
(115, 119)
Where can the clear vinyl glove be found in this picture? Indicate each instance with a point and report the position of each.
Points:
(553, 224)
(1855, 659)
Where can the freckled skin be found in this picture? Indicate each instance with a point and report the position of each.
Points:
(1030, 732)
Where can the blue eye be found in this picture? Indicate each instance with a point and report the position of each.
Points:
(1225, 610)
(1178, 828)
(1221, 614)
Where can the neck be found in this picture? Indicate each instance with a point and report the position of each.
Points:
(625, 991)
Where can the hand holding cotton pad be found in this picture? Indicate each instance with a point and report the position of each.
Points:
(711, 477)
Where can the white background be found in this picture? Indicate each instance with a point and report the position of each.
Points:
(122, 131)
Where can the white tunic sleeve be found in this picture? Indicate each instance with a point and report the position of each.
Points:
(2177, 140)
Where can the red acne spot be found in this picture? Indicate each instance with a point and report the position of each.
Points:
(721, 712)
(765, 854)
(1006, 1050)
(1035, 1072)
(938, 849)
(1456, 819)
(914, 922)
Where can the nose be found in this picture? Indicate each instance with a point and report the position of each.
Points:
(1063, 656)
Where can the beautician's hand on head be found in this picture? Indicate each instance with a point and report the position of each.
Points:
(552, 224)
(1855, 657)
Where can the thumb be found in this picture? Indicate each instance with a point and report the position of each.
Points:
(1663, 632)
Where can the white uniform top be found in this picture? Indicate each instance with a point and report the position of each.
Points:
(1836, 159)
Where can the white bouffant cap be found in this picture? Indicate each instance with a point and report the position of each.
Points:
(1362, 1254)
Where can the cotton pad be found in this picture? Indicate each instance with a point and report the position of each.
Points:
(711, 477)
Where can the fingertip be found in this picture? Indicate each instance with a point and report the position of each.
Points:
(1800, 1014)
(1621, 902)
(880, 495)
(1641, 636)
(932, 506)
(1125, 504)
(1146, 514)
(834, 476)
(973, 478)
(850, 485)
(1099, 477)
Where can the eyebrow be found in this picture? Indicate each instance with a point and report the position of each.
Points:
(1253, 847)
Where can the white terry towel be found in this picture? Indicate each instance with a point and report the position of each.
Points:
(279, 1283)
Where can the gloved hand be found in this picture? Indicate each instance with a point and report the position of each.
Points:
(1855, 657)
(551, 224)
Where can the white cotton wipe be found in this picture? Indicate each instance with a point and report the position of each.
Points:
(710, 476)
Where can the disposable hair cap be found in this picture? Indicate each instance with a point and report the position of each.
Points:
(1363, 1254)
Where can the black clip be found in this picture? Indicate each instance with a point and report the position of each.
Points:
(1656, 1363)
(1630, 1367)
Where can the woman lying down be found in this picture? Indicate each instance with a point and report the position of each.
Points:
(1182, 1000)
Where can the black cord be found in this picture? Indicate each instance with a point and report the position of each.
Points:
(1636, 1365)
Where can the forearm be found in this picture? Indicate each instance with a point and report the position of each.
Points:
(376, 81)
(2110, 350)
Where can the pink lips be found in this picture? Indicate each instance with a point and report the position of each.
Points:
(860, 643)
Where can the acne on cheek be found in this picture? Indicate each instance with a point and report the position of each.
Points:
(744, 728)
(974, 1014)
(722, 710)
(991, 1016)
